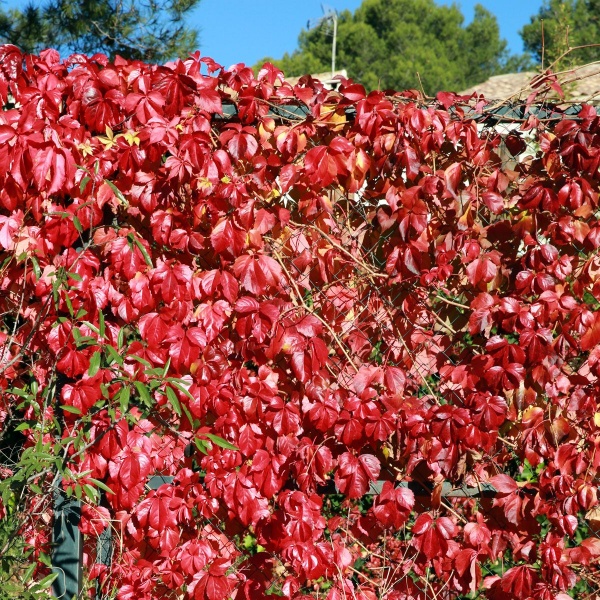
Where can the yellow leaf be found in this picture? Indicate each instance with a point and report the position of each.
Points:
(332, 113)
(109, 140)
(593, 514)
(274, 193)
(86, 148)
(204, 183)
(131, 137)
(597, 419)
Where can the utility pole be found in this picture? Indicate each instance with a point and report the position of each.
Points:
(329, 17)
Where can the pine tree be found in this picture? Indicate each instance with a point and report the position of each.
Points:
(560, 24)
(151, 30)
(385, 43)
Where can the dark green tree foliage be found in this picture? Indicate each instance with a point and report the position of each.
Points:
(151, 30)
(566, 23)
(385, 43)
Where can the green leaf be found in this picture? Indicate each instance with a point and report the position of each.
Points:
(70, 307)
(83, 183)
(201, 445)
(116, 357)
(100, 485)
(90, 492)
(47, 581)
(77, 224)
(36, 267)
(156, 372)
(94, 363)
(181, 387)
(143, 393)
(139, 359)
(172, 396)
(219, 441)
(91, 326)
(187, 413)
(19, 392)
(166, 368)
(143, 251)
(86, 340)
(117, 192)
(71, 409)
(101, 325)
(123, 398)
(44, 559)
(28, 573)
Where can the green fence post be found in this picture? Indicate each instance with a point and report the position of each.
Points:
(104, 549)
(67, 553)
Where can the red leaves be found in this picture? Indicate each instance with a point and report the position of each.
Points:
(9, 226)
(493, 201)
(212, 584)
(365, 293)
(227, 236)
(518, 582)
(153, 329)
(323, 164)
(155, 510)
(354, 474)
(509, 498)
(83, 395)
(52, 169)
(591, 336)
(101, 110)
(258, 272)
(195, 555)
(240, 141)
(431, 536)
(393, 505)
(482, 270)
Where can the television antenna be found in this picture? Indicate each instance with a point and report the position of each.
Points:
(329, 18)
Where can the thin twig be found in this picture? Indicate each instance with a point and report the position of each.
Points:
(298, 299)
(452, 302)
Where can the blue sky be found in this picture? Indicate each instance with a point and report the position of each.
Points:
(233, 31)
(258, 28)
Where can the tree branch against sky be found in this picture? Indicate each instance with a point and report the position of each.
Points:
(152, 30)
(565, 23)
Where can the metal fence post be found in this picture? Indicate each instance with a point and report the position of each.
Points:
(67, 554)
(104, 545)
(104, 549)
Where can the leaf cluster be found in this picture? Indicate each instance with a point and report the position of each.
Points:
(357, 333)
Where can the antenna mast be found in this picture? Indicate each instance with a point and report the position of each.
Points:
(329, 17)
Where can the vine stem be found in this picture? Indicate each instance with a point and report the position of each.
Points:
(298, 300)
(360, 263)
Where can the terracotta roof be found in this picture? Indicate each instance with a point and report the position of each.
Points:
(579, 84)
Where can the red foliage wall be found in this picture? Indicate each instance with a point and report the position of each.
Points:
(279, 295)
